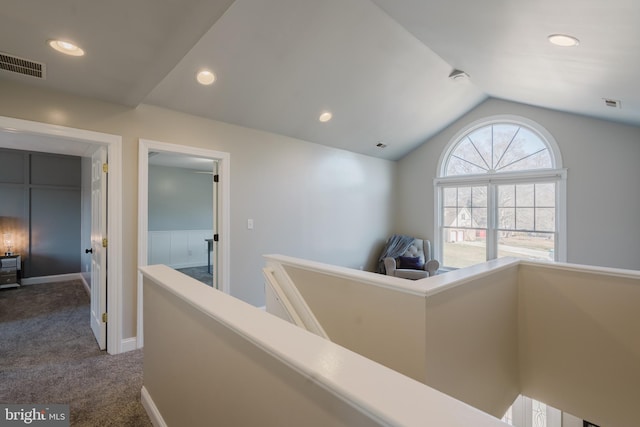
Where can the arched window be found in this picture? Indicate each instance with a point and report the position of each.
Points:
(501, 192)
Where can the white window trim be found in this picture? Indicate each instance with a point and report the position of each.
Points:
(557, 174)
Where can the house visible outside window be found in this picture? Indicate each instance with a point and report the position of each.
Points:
(500, 192)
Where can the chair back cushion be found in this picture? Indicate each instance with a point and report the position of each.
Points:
(416, 250)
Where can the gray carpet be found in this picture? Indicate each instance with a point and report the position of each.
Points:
(48, 355)
(199, 273)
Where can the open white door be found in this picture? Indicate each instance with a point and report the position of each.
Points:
(216, 236)
(98, 247)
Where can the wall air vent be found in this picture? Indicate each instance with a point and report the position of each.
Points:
(22, 66)
(613, 103)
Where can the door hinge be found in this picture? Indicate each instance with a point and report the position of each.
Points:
(216, 237)
(105, 167)
(104, 242)
(216, 178)
(104, 317)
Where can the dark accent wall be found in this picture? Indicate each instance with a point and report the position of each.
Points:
(40, 204)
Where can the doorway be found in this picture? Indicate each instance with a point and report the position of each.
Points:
(182, 215)
(43, 137)
(221, 226)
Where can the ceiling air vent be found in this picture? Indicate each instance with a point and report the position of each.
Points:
(613, 103)
(22, 66)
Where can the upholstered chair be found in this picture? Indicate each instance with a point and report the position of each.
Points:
(415, 263)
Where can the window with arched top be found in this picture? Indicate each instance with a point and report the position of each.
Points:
(497, 148)
(501, 192)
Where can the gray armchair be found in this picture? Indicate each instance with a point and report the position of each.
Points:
(413, 263)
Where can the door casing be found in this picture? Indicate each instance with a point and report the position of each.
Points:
(62, 138)
(222, 215)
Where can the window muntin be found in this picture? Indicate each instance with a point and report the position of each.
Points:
(515, 162)
(496, 148)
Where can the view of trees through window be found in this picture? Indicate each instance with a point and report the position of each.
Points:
(499, 148)
(504, 212)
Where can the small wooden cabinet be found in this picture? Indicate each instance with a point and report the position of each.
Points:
(10, 267)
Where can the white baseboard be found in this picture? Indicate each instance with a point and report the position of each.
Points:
(128, 344)
(87, 286)
(51, 279)
(151, 408)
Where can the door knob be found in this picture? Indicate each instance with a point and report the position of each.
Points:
(88, 251)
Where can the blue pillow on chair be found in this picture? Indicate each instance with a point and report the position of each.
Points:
(413, 263)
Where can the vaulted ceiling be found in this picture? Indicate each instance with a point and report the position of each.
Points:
(381, 67)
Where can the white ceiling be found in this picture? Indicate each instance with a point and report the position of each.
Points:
(380, 66)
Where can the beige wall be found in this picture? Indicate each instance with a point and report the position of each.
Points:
(603, 175)
(472, 341)
(579, 347)
(456, 332)
(379, 323)
(306, 200)
(228, 380)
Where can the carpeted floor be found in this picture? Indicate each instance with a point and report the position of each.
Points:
(199, 273)
(49, 355)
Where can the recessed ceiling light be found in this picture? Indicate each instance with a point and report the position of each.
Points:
(205, 77)
(66, 47)
(325, 117)
(563, 40)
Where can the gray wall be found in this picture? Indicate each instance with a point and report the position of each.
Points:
(603, 201)
(179, 199)
(42, 192)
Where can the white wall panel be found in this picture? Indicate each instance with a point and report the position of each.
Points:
(179, 248)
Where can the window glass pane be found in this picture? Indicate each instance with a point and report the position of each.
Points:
(524, 219)
(545, 195)
(545, 219)
(506, 218)
(539, 414)
(524, 195)
(526, 245)
(479, 217)
(502, 135)
(482, 141)
(464, 196)
(479, 197)
(467, 150)
(464, 218)
(450, 196)
(450, 217)
(506, 195)
(463, 248)
(456, 166)
(524, 145)
(540, 160)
